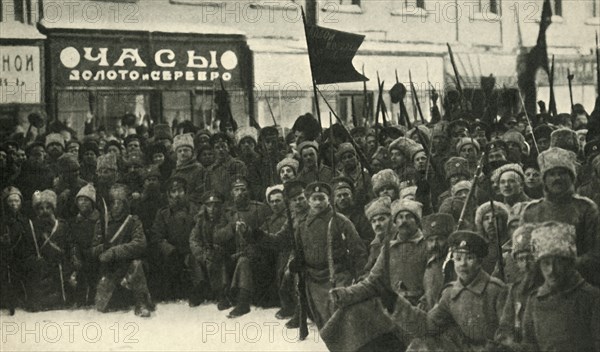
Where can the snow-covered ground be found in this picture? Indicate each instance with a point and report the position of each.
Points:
(172, 327)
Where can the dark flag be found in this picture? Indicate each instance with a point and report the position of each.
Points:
(331, 52)
(536, 58)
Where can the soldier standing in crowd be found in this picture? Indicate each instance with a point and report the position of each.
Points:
(188, 168)
(510, 181)
(438, 270)
(55, 147)
(69, 183)
(119, 244)
(312, 169)
(50, 264)
(560, 203)
(89, 153)
(84, 278)
(564, 312)
(491, 225)
(35, 174)
(212, 242)
(107, 171)
(169, 242)
(386, 183)
(247, 139)
(379, 213)
(466, 316)
(349, 165)
(226, 169)
(287, 169)
(343, 195)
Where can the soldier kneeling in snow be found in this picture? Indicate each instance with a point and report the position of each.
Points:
(119, 244)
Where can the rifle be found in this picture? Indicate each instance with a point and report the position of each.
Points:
(414, 93)
(456, 76)
(552, 102)
(497, 232)
(299, 256)
(471, 194)
(597, 65)
(271, 111)
(570, 79)
(366, 103)
(330, 263)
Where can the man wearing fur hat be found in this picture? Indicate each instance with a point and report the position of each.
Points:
(386, 184)
(133, 168)
(89, 157)
(287, 170)
(69, 183)
(564, 312)
(107, 171)
(510, 180)
(400, 154)
(247, 139)
(517, 147)
(467, 314)
(561, 203)
(271, 152)
(591, 188)
(349, 165)
(16, 245)
(221, 175)
(492, 229)
(35, 174)
(55, 147)
(119, 245)
(50, 261)
(84, 278)
(436, 229)
(379, 214)
(169, 240)
(188, 167)
(469, 149)
(456, 169)
(343, 195)
(312, 169)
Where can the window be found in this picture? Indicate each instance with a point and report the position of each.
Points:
(557, 8)
(596, 8)
(414, 3)
(487, 6)
(350, 2)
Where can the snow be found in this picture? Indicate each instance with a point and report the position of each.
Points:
(172, 327)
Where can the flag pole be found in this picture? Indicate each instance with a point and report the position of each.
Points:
(312, 79)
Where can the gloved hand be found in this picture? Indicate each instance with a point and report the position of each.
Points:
(339, 297)
(107, 256)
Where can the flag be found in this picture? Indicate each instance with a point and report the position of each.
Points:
(330, 53)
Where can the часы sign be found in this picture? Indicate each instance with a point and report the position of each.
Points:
(158, 63)
(20, 75)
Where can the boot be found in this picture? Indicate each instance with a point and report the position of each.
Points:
(294, 322)
(284, 313)
(243, 304)
(142, 307)
(223, 303)
(142, 311)
(196, 297)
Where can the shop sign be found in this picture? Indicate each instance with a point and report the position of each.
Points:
(20, 75)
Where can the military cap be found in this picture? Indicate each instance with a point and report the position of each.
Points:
(342, 182)
(151, 171)
(239, 181)
(119, 191)
(11, 190)
(496, 145)
(220, 137)
(67, 163)
(176, 181)
(466, 141)
(554, 238)
(408, 191)
(478, 125)
(90, 145)
(343, 149)
(378, 206)
(555, 158)
(273, 189)
(317, 187)
(269, 132)
(521, 238)
(461, 186)
(457, 165)
(293, 188)
(211, 197)
(358, 131)
(438, 224)
(402, 144)
(514, 136)
(46, 196)
(565, 138)
(110, 143)
(414, 207)
(468, 241)
(87, 191)
(183, 140)
(440, 129)
(414, 150)
(501, 210)
(458, 124)
(308, 125)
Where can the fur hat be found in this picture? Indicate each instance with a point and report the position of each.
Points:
(437, 225)
(10, 190)
(381, 205)
(495, 177)
(308, 144)
(272, 189)
(501, 210)
(47, 196)
(466, 141)
(308, 125)
(408, 191)
(183, 140)
(162, 131)
(55, 138)
(468, 241)
(542, 132)
(557, 157)
(383, 178)
(457, 165)
(414, 150)
(343, 149)
(402, 144)
(67, 163)
(246, 132)
(514, 136)
(291, 162)
(107, 161)
(412, 206)
(87, 191)
(565, 138)
(521, 238)
(89, 145)
(119, 191)
(211, 197)
(460, 186)
(553, 238)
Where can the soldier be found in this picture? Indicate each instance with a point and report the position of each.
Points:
(386, 183)
(84, 278)
(287, 169)
(487, 225)
(467, 314)
(107, 171)
(526, 280)
(119, 244)
(46, 282)
(343, 195)
(560, 203)
(469, 149)
(516, 146)
(188, 168)
(212, 242)
(55, 147)
(69, 183)
(591, 189)
(271, 153)
(564, 313)
(170, 239)
(89, 157)
(456, 170)
(347, 159)
(226, 169)
(35, 174)
(436, 229)
(379, 213)
(246, 139)
(133, 172)
(312, 169)
(534, 188)
(510, 180)
(151, 200)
